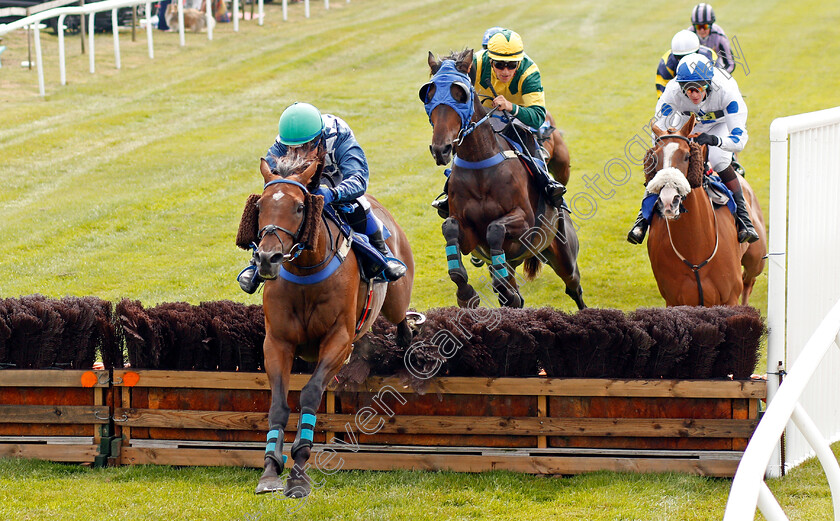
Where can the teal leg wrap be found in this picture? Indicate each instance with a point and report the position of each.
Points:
(306, 430)
(274, 448)
(453, 258)
(498, 269)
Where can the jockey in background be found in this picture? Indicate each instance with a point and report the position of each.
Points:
(713, 97)
(683, 43)
(344, 177)
(711, 35)
(504, 77)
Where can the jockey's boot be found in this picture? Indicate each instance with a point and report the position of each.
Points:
(249, 279)
(638, 231)
(393, 269)
(441, 203)
(746, 232)
(552, 188)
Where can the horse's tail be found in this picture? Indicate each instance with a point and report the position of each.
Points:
(531, 268)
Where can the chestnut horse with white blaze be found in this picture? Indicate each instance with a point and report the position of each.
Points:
(693, 247)
(315, 301)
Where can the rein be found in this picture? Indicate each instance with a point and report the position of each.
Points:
(298, 247)
(696, 267)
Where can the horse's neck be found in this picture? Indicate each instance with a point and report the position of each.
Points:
(481, 143)
(697, 223)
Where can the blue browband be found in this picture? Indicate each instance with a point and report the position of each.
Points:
(286, 182)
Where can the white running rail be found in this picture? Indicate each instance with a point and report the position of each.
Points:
(803, 291)
(748, 487)
(34, 20)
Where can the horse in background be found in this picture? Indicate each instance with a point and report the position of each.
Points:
(496, 212)
(693, 247)
(315, 301)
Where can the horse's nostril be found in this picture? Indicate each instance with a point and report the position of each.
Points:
(277, 257)
(447, 149)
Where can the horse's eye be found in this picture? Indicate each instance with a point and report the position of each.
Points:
(687, 156)
(300, 208)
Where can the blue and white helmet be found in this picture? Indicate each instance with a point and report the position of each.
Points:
(489, 34)
(702, 14)
(695, 68)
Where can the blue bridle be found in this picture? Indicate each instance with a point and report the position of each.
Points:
(446, 76)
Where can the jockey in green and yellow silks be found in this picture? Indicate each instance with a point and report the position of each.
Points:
(521, 86)
(504, 77)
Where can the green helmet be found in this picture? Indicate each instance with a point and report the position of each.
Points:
(300, 123)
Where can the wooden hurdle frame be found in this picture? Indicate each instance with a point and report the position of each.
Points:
(470, 424)
(55, 414)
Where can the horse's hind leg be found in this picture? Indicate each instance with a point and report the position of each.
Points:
(333, 353)
(278, 366)
(466, 295)
(504, 281)
(562, 257)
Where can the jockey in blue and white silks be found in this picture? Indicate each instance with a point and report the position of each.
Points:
(344, 178)
(714, 98)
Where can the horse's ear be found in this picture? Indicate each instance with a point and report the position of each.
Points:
(434, 65)
(265, 170)
(465, 60)
(689, 126)
(656, 130)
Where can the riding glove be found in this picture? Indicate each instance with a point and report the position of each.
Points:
(328, 193)
(708, 139)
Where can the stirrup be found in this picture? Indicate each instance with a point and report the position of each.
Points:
(394, 270)
(441, 204)
(249, 279)
(746, 234)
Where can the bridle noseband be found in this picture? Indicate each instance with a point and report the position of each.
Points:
(272, 229)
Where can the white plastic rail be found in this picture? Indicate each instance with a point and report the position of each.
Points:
(91, 10)
(748, 487)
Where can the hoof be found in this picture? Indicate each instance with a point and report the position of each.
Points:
(266, 485)
(297, 488)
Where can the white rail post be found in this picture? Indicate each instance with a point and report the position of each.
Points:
(261, 10)
(236, 16)
(285, 10)
(116, 32)
(208, 17)
(181, 22)
(90, 41)
(306, 7)
(149, 31)
(62, 70)
(776, 273)
(39, 62)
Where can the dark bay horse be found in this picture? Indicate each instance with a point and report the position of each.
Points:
(694, 252)
(559, 162)
(495, 209)
(315, 303)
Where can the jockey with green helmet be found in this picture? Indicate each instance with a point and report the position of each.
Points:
(344, 178)
(505, 78)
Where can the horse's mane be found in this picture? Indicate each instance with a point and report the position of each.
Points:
(695, 166)
(287, 165)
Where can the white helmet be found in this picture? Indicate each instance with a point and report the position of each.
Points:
(684, 42)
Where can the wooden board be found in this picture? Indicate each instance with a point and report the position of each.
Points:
(433, 462)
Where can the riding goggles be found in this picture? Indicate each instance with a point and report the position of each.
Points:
(701, 27)
(505, 65)
(692, 87)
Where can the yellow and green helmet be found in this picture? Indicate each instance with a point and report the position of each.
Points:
(506, 46)
(300, 123)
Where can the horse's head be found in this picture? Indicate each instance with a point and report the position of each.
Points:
(673, 167)
(288, 214)
(448, 98)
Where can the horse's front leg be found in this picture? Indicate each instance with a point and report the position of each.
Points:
(278, 366)
(503, 276)
(335, 349)
(466, 295)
